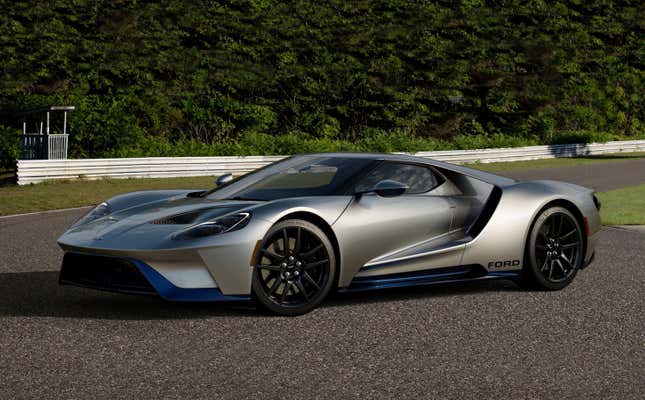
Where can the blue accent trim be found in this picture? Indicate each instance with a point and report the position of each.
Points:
(426, 277)
(171, 292)
(505, 274)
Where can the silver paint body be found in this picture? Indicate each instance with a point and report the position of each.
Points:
(375, 235)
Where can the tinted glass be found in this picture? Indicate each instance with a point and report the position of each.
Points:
(419, 179)
(294, 177)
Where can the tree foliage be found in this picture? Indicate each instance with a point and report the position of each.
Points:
(218, 71)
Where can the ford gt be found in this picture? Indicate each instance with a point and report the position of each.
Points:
(288, 234)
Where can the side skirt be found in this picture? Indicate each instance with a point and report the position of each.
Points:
(426, 277)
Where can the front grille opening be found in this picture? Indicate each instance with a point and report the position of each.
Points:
(103, 273)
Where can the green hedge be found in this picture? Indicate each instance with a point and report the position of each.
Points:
(378, 141)
(8, 147)
(268, 76)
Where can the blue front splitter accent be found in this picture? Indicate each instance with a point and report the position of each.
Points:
(171, 292)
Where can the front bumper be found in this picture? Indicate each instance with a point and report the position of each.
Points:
(130, 276)
(221, 261)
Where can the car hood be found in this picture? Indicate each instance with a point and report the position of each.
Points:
(152, 222)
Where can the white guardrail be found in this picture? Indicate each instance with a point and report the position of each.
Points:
(33, 171)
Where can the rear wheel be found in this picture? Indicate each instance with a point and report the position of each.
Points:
(554, 250)
(295, 268)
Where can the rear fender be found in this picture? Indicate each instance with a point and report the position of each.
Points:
(501, 243)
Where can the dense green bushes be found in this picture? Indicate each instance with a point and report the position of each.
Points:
(8, 146)
(265, 76)
(375, 141)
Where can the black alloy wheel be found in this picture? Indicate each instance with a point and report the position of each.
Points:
(554, 250)
(295, 268)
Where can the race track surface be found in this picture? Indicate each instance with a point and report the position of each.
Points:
(599, 176)
(462, 341)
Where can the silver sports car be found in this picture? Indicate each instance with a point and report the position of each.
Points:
(289, 233)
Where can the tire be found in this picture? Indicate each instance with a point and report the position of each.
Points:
(297, 280)
(554, 250)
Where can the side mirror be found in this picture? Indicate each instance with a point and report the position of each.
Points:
(222, 179)
(385, 188)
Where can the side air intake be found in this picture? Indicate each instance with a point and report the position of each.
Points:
(486, 213)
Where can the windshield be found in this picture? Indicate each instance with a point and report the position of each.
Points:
(293, 177)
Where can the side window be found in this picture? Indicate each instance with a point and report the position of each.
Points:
(418, 178)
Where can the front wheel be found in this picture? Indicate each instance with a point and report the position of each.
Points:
(554, 250)
(295, 268)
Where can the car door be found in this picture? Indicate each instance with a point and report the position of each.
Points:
(374, 227)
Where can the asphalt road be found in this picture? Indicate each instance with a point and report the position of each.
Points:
(600, 176)
(478, 340)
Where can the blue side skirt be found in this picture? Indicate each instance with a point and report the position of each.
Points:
(427, 277)
(416, 278)
(132, 276)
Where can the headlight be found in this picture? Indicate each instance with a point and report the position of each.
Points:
(227, 223)
(100, 211)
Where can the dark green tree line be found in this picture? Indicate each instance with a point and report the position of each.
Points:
(215, 72)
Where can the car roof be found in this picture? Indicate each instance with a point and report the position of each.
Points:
(374, 156)
(402, 157)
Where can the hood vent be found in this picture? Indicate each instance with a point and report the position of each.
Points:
(179, 219)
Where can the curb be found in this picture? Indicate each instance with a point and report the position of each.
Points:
(632, 228)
